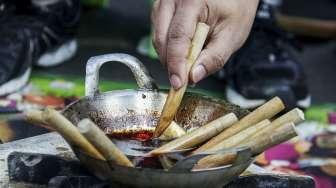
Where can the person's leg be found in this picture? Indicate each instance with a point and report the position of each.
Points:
(265, 68)
(145, 46)
(62, 18)
(38, 32)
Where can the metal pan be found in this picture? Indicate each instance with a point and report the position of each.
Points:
(132, 111)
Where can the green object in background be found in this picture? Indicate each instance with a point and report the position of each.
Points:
(95, 3)
(319, 113)
(145, 45)
(70, 86)
(152, 51)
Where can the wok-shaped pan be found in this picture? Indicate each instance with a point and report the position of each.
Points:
(132, 111)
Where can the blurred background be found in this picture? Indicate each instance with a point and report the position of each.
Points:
(291, 53)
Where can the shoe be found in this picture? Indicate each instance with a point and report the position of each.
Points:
(34, 34)
(264, 68)
(61, 18)
(308, 18)
(264, 12)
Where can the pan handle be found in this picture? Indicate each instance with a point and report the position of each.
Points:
(142, 76)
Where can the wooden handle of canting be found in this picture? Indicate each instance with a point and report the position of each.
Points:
(273, 138)
(173, 131)
(197, 136)
(215, 160)
(69, 132)
(296, 116)
(103, 144)
(241, 136)
(34, 116)
(266, 111)
(175, 96)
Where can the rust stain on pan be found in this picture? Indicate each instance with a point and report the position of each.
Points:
(195, 110)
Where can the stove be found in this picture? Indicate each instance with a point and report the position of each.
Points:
(48, 161)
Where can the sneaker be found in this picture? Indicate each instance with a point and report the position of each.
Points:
(264, 68)
(40, 34)
(61, 18)
(308, 18)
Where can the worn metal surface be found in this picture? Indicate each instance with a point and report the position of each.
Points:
(141, 75)
(133, 111)
(38, 168)
(272, 181)
(78, 182)
(152, 178)
(139, 110)
(53, 144)
(136, 110)
(50, 143)
(43, 170)
(186, 164)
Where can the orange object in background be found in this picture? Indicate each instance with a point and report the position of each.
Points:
(330, 169)
(45, 100)
(303, 146)
(261, 160)
(6, 133)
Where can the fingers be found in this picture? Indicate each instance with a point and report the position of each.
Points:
(228, 35)
(174, 26)
(162, 15)
(180, 34)
(214, 56)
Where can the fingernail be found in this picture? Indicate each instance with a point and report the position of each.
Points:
(175, 81)
(198, 73)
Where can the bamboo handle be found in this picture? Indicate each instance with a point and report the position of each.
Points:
(216, 160)
(296, 116)
(259, 145)
(175, 96)
(197, 136)
(103, 144)
(282, 134)
(172, 132)
(266, 111)
(35, 117)
(69, 132)
(241, 136)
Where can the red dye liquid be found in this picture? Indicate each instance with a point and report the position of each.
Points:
(140, 135)
(144, 137)
(147, 162)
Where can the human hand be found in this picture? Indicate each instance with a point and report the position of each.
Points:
(174, 25)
